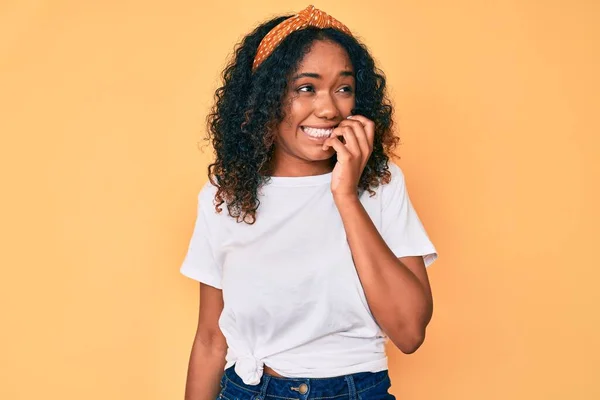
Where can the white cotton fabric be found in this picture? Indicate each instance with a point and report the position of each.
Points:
(292, 296)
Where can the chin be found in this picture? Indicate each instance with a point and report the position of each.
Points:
(321, 155)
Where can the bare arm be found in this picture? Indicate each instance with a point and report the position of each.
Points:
(397, 289)
(207, 358)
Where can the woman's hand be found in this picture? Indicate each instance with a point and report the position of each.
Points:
(352, 156)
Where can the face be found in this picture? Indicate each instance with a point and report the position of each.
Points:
(320, 95)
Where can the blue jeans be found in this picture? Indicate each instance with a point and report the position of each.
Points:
(360, 386)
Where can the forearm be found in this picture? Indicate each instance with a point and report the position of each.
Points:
(205, 370)
(399, 302)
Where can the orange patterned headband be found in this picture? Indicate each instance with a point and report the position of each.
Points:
(310, 16)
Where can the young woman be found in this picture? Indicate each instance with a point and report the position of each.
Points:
(307, 248)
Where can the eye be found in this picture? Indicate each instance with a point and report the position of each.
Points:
(299, 90)
(349, 89)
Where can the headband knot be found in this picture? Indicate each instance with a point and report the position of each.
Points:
(309, 17)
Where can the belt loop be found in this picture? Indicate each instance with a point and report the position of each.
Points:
(351, 388)
(263, 389)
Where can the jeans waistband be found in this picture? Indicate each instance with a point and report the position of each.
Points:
(346, 386)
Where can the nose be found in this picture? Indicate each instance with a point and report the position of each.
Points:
(326, 107)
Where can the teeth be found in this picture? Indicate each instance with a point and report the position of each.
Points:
(317, 132)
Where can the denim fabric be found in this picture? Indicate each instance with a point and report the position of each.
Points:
(360, 386)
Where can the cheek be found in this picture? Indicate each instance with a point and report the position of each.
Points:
(288, 122)
(300, 109)
(349, 105)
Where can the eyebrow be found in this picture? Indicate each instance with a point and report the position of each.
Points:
(317, 76)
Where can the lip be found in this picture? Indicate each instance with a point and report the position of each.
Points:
(319, 127)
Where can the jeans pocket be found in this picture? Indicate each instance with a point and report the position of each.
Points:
(231, 391)
(379, 391)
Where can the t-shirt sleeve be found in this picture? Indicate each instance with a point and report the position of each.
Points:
(402, 229)
(200, 261)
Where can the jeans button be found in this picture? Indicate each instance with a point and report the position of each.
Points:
(303, 388)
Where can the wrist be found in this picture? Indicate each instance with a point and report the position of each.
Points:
(340, 198)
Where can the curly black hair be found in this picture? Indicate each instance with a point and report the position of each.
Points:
(248, 107)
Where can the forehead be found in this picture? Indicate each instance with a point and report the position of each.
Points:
(325, 55)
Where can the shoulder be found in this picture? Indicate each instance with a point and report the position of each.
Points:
(206, 198)
(396, 179)
(207, 193)
(396, 171)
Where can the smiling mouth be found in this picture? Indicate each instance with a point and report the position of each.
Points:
(316, 133)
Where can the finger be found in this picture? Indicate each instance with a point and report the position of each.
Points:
(335, 135)
(335, 138)
(351, 141)
(346, 136)
(343, 154)
(369, 127)
(361, 136)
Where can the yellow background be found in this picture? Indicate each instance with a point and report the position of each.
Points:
(102, 108)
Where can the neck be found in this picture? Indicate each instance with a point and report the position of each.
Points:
(299, 168)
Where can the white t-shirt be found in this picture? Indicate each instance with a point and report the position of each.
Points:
(292, 296)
